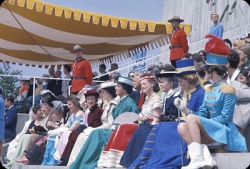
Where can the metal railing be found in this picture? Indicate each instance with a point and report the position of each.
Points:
(38, 77)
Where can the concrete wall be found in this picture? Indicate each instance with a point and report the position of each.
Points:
(21, 119)
(223, 160)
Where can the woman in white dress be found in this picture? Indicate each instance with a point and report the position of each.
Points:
(107, 92)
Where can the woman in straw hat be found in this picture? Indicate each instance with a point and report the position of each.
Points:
(213, 121)
(92, 148)
(107, 93)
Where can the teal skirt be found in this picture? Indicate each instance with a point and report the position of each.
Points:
(92, 149)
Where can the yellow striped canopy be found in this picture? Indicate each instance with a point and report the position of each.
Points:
(39, 33)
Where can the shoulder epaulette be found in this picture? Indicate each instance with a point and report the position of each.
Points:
(208, 87)
(227, 89)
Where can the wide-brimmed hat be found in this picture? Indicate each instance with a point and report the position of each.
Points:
(91, 93)
(167, 74)
(176, 18)
(77, 48)
(185, 66)
(106, 85)
(217, 51)
(125, 80)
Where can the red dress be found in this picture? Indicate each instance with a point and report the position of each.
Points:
(179, 44)
(82, 75)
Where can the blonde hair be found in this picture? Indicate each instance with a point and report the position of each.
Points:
(191, 78)
(214, 13)
(238, 43)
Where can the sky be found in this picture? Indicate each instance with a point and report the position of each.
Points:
(151, 10)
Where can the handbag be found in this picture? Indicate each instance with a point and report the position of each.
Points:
(40, 130)
(41, 141)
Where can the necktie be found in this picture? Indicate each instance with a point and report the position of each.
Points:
(141, 100)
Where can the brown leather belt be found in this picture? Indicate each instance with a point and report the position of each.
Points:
(78, 77)
(175, 46)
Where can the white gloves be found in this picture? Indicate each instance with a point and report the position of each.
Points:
(57, 132)
(180, 105)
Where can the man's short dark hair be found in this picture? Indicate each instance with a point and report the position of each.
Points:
(233, 59)
(67, 67)
(36, 108)
(197, 57)
(114, 64)
(103, 66)
(10, 99)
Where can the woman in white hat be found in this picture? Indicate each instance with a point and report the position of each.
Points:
(92, 148)
(107, 92)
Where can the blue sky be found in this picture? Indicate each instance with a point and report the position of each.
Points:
(137, 9)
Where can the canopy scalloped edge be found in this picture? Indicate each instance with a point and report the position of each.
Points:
(79, 15)
(104, 20)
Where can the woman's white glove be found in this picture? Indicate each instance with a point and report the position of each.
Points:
(58, 131)
(179, 104)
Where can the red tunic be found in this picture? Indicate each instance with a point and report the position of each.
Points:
(178, 38)
(82, 75)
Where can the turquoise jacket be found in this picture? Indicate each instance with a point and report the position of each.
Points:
(126, 104)
(216, 115)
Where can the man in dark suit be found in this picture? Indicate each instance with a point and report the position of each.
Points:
(30, 90)
(51, 83)
(57, 90)
(137, 95)
(102, 70)
(10, 120)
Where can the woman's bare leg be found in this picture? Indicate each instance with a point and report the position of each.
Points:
(194, 128)
(183, 131)
(197, 132)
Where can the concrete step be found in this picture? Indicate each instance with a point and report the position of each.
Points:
(223, 160)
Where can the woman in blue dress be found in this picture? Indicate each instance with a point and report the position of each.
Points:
(75, 122)
(162, 148)
(214, 119)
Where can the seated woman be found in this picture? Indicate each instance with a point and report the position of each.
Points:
(75, 122)
(58, 109)
(28, 140)
(168, 85)
(13, 144)
(164, 139)
(92, 120)
(107, 92)
(37, 110)
(30, 155)
(242, 108)
(214, 119)
(151, 111)
(92, 148)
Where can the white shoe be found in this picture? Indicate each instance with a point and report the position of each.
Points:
(195, 152)
(209, 161)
